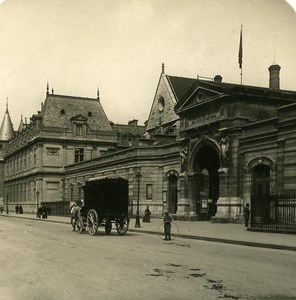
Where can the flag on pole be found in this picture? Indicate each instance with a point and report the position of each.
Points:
(240, 52)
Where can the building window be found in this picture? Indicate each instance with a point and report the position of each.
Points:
(79, 154)
(62, 111)
(148, 191)
(79, 129)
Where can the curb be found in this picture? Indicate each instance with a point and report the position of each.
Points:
(184, 236)
(226, 241)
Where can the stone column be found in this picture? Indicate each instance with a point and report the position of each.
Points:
(183, 202)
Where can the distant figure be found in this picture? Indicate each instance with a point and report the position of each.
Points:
(39, 212)
(1, 208)
(246, 214)
(21, 209)
(146, 218)
(17, 209)
(167, 220)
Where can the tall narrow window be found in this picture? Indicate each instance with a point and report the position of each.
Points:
(79, 154)
(79, 129)
(148, 191)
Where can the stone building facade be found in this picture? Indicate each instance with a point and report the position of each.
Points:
(208, 148)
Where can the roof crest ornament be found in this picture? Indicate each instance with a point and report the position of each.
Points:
(47, 88)
(162, 68)
(98, 94)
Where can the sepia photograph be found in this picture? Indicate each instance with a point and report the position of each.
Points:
(147, 149)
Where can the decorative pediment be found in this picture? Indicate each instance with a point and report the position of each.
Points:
(199, 96)
(79, 118)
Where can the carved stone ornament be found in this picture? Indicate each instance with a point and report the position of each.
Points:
(52, 151)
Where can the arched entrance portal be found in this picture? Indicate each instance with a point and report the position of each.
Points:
(172, 194)
(206, 166)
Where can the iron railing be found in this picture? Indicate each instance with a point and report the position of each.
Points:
(275, 212)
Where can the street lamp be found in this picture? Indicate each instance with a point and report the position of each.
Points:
(37, 202)
(138, 177)
(7, 212)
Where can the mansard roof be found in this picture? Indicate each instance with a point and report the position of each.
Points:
(59, 111)
(6, 130)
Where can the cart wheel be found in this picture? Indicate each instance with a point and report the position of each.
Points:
(108, 226)
(92, 222)
(122, 226)
(79, 225)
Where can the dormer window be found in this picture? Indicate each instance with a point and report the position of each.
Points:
(62, 112)
(79, 125)
(89, 114)
(79, 129)
(160, 104)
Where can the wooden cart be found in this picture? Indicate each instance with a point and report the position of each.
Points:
(105, 203)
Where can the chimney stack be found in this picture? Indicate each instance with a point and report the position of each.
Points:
(218, 79)
(274, 77)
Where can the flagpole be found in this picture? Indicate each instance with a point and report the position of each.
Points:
(240, 54)
(241, 74)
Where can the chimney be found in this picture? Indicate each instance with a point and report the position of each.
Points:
(274, 77)
(218, 79)
(133, 122)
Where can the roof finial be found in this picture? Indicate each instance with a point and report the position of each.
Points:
(47, 88)
(98, 93)
(162, 68)
(6, 104)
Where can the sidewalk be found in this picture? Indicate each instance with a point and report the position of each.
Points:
(215, 232)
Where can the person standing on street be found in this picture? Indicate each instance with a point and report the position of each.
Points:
(147, 215)
(247, 214)
(167, 220)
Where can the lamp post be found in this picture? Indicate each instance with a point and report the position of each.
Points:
(7, 212)
(37, 202)
(138, 177)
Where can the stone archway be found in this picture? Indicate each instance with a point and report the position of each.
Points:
(204, 179)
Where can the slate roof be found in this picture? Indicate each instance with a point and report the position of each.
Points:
(123, 129)
(180, 85)
(6, 130)
(58, 110)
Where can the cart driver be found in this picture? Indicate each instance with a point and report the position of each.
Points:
(74, 214)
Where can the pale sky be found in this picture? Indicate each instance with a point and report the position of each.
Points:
(119, 45)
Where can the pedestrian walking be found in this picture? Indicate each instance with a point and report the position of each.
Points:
(1, 208)
(147, 214)
(39, 212)
(17, 209)
(167, 220)
(247, 214)
(21, 209)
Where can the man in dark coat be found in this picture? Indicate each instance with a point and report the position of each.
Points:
(247, 214)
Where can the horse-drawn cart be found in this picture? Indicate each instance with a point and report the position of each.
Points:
(105, 203)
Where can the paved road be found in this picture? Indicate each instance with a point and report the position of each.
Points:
(44, 260)
(226, 233)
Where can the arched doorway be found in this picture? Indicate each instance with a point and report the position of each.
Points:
(206, 166)
(172, 194)
(260, 206)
